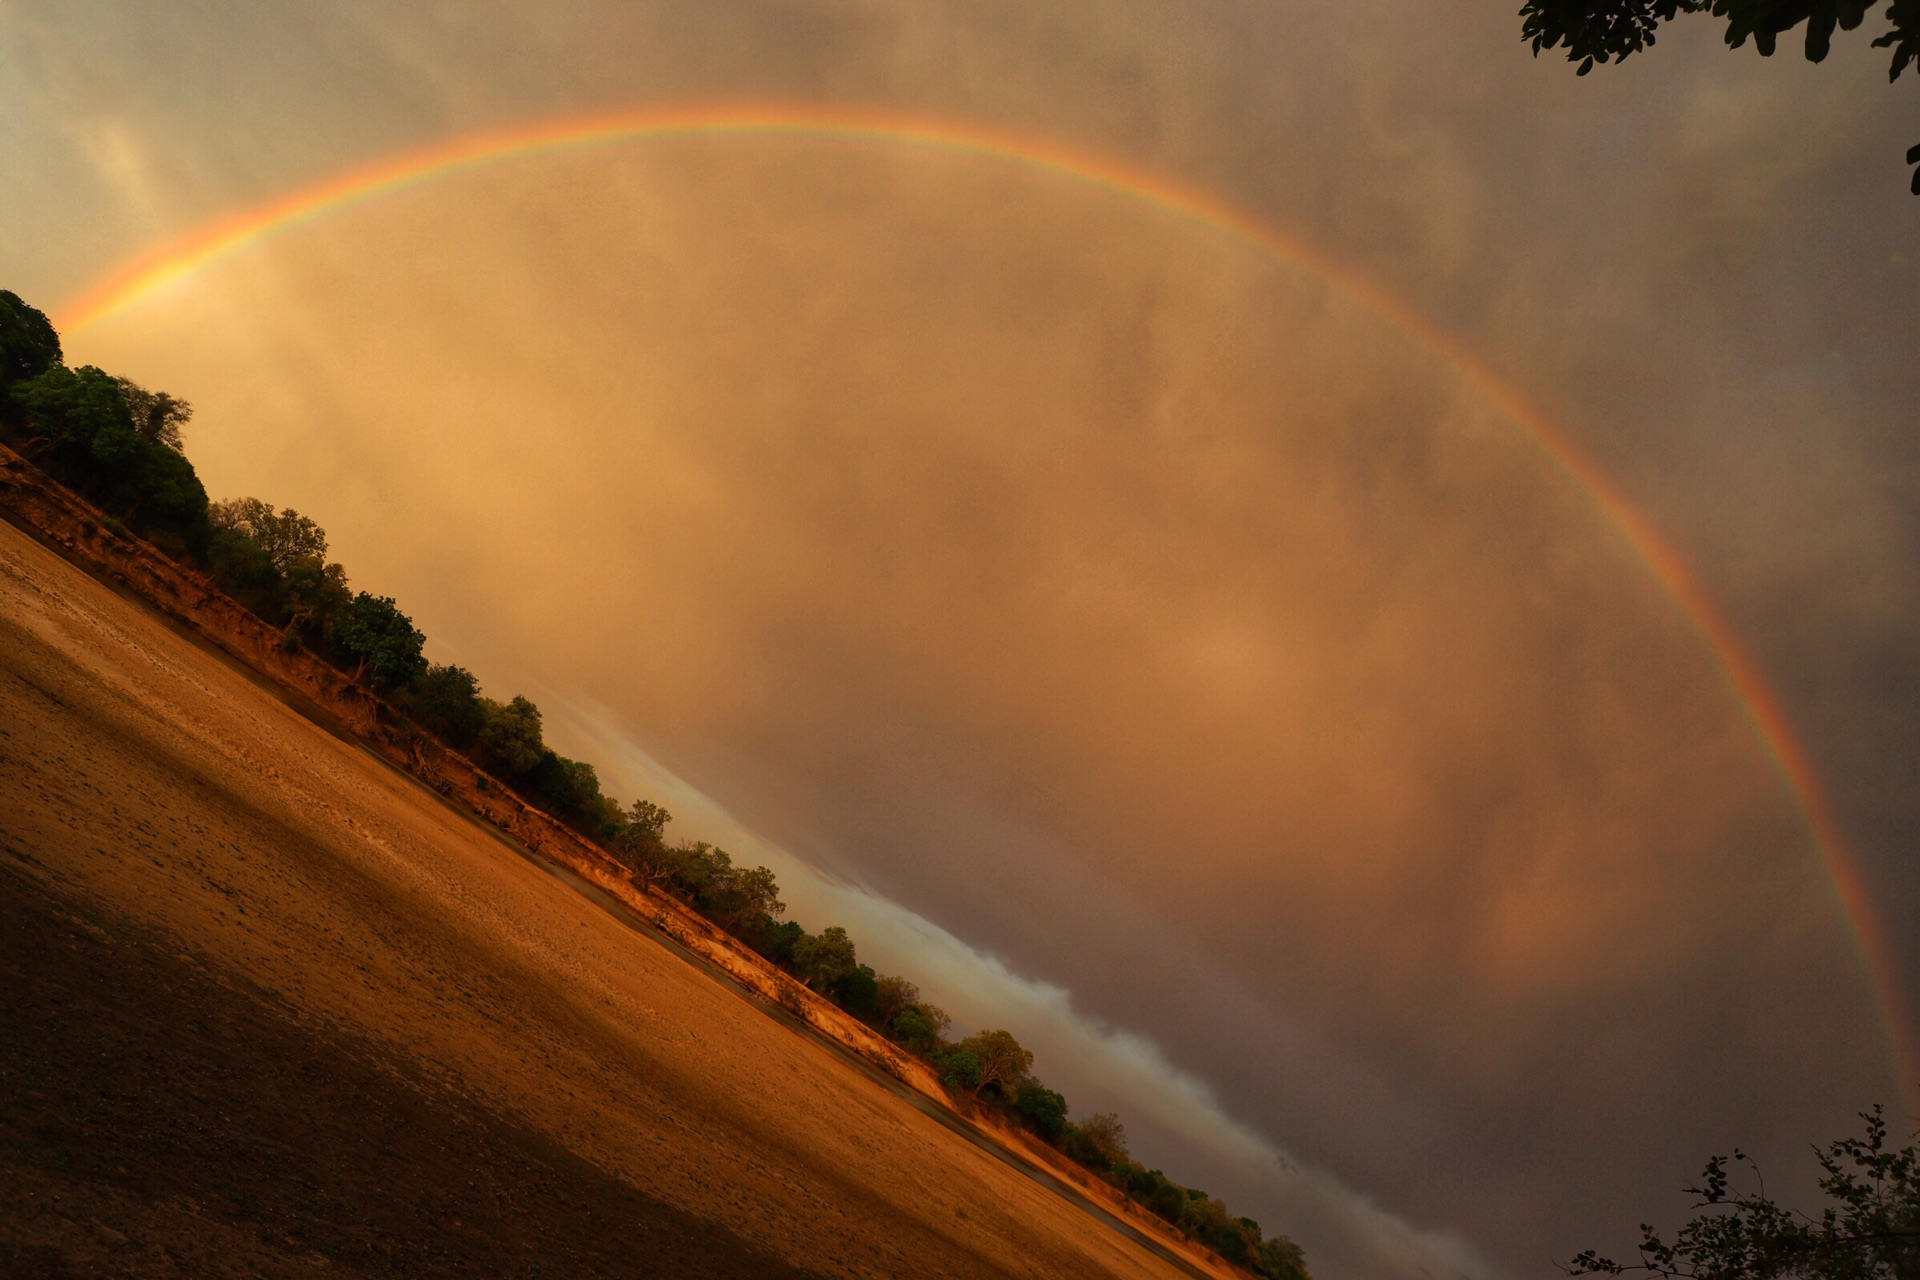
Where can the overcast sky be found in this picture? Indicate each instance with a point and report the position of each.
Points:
(1162, 651)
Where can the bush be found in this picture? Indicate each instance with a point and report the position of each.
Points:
(1042, 1108)
(959, 1069)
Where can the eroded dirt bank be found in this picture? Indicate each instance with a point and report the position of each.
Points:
(537, 1051)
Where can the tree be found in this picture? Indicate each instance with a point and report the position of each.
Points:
(373, 632)
(822, 959)
(157, 416)
(959, 1069)
(1003, 1060)
(1042, 1108)
(921, 1027)
(510, 736)
(287, 537)
(28, 344)
(892, 997)
(1282, 1259)
(1599, 31)
(1869, 1229)
(1105, 1134)
(447, 701)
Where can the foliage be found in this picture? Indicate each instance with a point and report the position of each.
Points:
(28, 344)
(446, 701)
(510, 736)
(1599, 31)
(856, 992)
(1869, 1229)
(960, 1069)
(921, 1027)
(82, 419)
(1042, 1108)
(286, 536)
(1107, 1134)
(1003, 1060)
(372, 631)
(822, 959)
(157, 416)
(1282, 1259)
(892, 997)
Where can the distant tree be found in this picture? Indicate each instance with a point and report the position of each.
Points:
(313, 595)
(1003, 1060)
(856, 992)
(650, 818)
(157, 416)
(510, 736)
(28, 344)
(373, 632)
(1599, 31)
(824, 958)
(1042, 1108)
(921, 1027)
(447, 701)
(1106, 1134)
(960, 1069)
(1869, 1229)
(777, 939)
(81, 419)
(287, 536)
(1279, 1258)
(892, 997)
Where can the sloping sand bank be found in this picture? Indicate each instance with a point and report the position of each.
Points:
(271, 1007)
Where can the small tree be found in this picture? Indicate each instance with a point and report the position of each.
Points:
(447, 701)
(28, 344)
(1042, 1108)
(373, 632)
(921, 1028)
(1003, 1060)
(157, 416)
(1281, 1259)
(1107, 1135)
(510, 737)
(892, 997)
(824, 958)
(960, 1069)
(287, 536)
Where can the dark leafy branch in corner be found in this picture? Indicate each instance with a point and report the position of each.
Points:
(1601, 31)
(1869, 1229)
(119, 445)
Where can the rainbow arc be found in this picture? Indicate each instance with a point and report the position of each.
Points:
(174, 262)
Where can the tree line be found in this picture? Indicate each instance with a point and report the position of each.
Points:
(119, 445)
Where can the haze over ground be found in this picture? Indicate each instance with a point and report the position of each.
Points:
(1128, 605)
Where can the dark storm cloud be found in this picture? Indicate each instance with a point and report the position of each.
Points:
(1141, 612)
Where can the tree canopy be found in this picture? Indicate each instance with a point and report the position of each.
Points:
(1868, 1230)
(1601, 31)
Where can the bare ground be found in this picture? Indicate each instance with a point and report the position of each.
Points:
(271, 1008)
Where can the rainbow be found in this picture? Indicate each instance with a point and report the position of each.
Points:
(174, 262)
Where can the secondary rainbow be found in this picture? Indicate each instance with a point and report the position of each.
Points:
(176, 261)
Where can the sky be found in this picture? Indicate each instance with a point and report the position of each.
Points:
(1145, 640)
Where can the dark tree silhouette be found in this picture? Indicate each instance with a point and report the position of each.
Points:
(1600, 31)
(1869, 1229)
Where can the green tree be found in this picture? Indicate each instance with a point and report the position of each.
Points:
(373, 632)
(1042, 1108)
(287, 536)
(1104, 1132)
(157, 416)
(824, 958)
(1281, 1259)
(921, 1027)
(510, 738)
(1003, 1060)
(447, 701)
(893, 996)
(1599, 31)
(1868, 1230)
(28, 344)
(960, 1069)
(856, 992)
